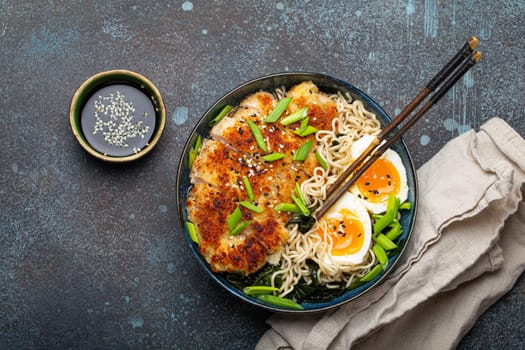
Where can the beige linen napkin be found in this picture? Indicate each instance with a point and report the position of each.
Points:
(467, 250)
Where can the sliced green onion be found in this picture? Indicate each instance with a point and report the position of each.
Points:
(279, 109)
(304, 129)
(233, 219)
(287, 207)
(278, 301)
(198, 143)
(221, 115)
(302, 152)
(391, 213)
(295, 117)
(248, 187)
(272, 157)
(385, 242)
(405, 205)
(257, 134)
(191, 157)
(380, 254)
(302, 207)
(377, 216)
(395, 207)
(194, 151)
(239, 228)
(259, 290)
(192, 231)
(300, 193)
(376, 270)
(320, 159)
(394, 223)
(251, 206)
(303, 126)
(307, 131)
(394, 232)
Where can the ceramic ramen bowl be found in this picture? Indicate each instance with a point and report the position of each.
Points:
(269, 83)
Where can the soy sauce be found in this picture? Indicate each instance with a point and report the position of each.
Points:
(118, 120)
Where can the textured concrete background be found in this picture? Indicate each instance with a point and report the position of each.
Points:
(92, 255)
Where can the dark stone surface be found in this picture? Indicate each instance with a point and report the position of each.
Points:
(92, 255)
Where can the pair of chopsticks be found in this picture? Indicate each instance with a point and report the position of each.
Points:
(465, 59)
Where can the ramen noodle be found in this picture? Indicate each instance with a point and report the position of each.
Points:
(256, 172)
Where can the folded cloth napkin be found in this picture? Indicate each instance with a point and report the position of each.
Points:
(466, 251)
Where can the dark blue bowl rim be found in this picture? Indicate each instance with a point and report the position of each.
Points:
(325, 82)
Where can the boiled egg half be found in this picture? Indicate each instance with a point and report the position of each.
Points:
(349, 229)
(386, 175)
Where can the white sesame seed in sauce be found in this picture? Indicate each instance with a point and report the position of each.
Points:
(120, 111)
(118, 121)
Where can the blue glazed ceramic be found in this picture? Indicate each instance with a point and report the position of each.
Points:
(269, 83)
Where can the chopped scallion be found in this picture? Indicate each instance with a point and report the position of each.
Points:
(304, 210)
(259, 290)
(394, 232)
(257, 134)
(239, 228)
(198, 143)
(233, 219)
(251, 206)
(295, 117)
(191, 157)
(391, 213)
(303, 151)
(405, 206)
(272, 157)
(279, 109)
(380, 254)
(287, 207)
(192, 231)
(307, 131)
(320, 159)
(304, 124)
(384, 242)
(221, 115)
(248, 187)
(194, 151)
(300, 193)
(376, 270)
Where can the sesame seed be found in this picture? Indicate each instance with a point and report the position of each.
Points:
(120, 126)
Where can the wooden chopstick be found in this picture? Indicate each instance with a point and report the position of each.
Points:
(437, 80)
(465, 59)
(433, 84)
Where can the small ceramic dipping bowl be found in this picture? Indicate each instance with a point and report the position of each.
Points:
(117, 116)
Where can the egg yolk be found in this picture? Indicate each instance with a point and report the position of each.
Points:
(346, 231)
(380, 179)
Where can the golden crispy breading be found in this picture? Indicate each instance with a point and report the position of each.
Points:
(321, 109)
(223, 169)
(235, 131)
(261, 102)
(220, 165)
(208, 209)
(232, 154)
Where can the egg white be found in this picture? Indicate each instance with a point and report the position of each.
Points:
(377, 208)
(350, 202)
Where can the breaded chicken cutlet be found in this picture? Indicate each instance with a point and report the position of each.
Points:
(230, 156)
